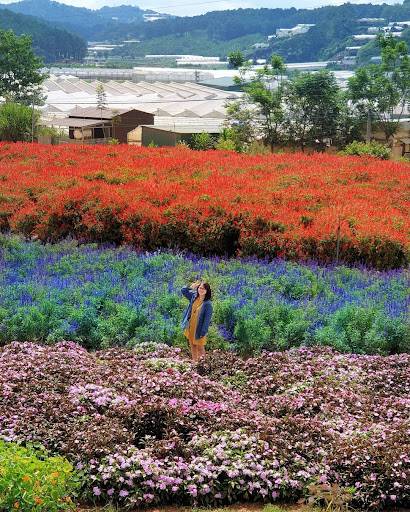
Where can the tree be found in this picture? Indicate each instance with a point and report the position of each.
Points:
(313, 109)
(350, 125)
(17, 122)
(20, 68)
(101, 97)
(240, 125)
(264, 91)
(202, 141)
(380, 92)
(236, 59)
(226, 140)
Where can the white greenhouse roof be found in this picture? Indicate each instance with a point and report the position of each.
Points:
(65, 93)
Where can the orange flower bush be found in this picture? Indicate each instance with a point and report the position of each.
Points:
(291, 205)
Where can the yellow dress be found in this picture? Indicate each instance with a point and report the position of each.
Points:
(193, 322)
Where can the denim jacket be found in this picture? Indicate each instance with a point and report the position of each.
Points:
(205, 314)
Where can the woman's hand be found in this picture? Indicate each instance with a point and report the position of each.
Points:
(195, 285)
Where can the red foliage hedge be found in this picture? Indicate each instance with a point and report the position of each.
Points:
(288, 205)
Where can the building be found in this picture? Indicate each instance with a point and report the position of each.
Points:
(259, 46)
(301, 28)
(97, 126)
(400, 141)
(364, 38)
(375, 30)
(374, 21)
(158, 98)
(350, 55)
(155, 16)
(168, 133)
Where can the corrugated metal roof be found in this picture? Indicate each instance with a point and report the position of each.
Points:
(167, 99)
(98, 113)
(186, 128)
(73, 122)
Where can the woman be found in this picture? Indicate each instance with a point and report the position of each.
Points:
(197, 317)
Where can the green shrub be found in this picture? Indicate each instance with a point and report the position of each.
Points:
(119, 326)
(215, 341)
(31, 323)
(228, 140)
(371, 148)
(30, 481)
(158, 330)
(17, 122)
(287, 325)
(226, 145)
(225, 311)
(364, 331)
(253, 334)
(202, 141)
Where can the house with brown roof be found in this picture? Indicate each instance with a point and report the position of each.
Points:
(99, 125)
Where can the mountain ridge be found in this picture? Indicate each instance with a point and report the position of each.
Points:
(87, 23)
(49, 42)
(219, 32)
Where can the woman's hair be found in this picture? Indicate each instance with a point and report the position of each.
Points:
(208, 295)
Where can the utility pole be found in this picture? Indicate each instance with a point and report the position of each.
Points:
(338, 242)
(369, 126)
(32, 120)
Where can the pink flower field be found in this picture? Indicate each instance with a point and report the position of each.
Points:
(147, 427)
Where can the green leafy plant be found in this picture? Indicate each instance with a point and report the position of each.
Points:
(252, 334)
(17, 122)
(372, 148)
(202, 141)
(236, 59)
(30, 481)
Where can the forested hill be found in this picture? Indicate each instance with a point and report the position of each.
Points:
(217, 33)
(49, 42)
(107, 22)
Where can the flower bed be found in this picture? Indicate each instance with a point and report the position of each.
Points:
(104, 297)
(262, 429)
(292, 206)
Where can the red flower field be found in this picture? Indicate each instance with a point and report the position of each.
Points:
(288, 205)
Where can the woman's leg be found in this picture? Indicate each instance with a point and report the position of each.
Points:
(201, 351)
(193, 351)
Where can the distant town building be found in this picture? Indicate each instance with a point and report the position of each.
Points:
(181, 57)
(301, 28)
(187, 60)
(350, 55)
(101, 52)
(372, 20)
(258, 46)
(364, 37)
(375, 30)
(155, 17)
(197, 60)
(403, 24)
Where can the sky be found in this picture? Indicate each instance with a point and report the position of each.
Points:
(193, 7)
